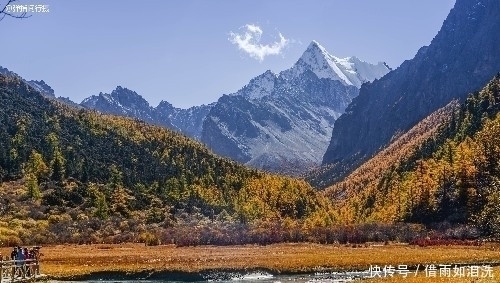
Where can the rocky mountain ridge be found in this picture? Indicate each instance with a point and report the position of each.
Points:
(463, 56)
(278, 122)
(282, 122)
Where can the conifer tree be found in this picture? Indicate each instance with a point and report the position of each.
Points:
(32, 186)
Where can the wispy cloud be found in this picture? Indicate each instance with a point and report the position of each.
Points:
(249, 42)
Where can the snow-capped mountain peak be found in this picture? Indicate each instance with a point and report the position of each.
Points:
(349, 70)
(360, 72)
(280, 122)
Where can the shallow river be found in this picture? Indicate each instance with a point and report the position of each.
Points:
(253, 277)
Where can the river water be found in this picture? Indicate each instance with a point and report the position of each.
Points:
(251, 277)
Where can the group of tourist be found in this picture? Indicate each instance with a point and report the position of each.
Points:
(23, 257)
(20, 254)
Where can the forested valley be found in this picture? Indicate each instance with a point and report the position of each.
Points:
(77, 176)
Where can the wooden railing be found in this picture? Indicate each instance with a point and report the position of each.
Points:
(19, 270)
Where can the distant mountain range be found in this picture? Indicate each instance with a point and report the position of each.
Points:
(283, 122)
(411, 147)
(278, 122)
(125, 102)
(110, 170)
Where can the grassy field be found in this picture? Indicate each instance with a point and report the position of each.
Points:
(67, 261)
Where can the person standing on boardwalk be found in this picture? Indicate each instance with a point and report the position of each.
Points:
(27, 262)
(13, 256)
(19, 261)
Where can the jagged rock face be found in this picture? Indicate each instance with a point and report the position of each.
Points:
(187, 121)
(128, 103)
(124, 102)
(121, 101)
(283, 122)
(42, 87)
(283, 132)
(280, 122)
(463, 56)
(5, 71)
(349, 71)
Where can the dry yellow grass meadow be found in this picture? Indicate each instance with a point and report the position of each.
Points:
(66, 261)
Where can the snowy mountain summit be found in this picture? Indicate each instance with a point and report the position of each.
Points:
(282, 122)
(349, 71)
(278, 122)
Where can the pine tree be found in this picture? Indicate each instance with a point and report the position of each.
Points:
(36, 165)
(32, 186)
(101, 207)
(57, 166)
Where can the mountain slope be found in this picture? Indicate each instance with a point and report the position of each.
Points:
(128, 103)
(74, 175)
(307, 98)
(449, 175)
(40, 86)
(90, 142)
(282, 122)
(124, 102)
(463, 56)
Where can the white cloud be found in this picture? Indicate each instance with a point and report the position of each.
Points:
(249, 42)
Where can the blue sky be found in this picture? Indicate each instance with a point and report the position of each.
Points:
(186, 52)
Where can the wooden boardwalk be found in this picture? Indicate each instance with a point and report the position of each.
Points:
(20, 271)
